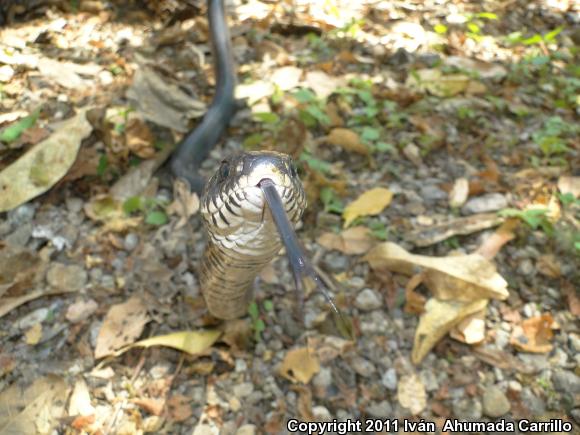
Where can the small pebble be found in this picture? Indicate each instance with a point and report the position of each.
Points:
(566, 382)
(495, 402)
(380, 410)
(368, 300)
(485, 203)
(66, 277)
(130, 242)
(389, 379)
(469, 409)
(243, 390)
(321, 413)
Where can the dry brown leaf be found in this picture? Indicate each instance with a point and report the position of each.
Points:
(185, 204)
(191, 342)
(535, 334)
(151, 405)
(353, 241)
(122, 325)
(439, 318)
(569, 184)
(549, 266)
(348, 140)
(411, 394)
(36, 410)
(459, 226)
(287, 77)
(322, 84)
(43, 165)
(370, 203)
(139, 138)
(80, 400)
(299, 365)
(470, 330)
(414, 302)
(571, 293)
(434, 82)
(179, 408)
(460, 278)
(505, 233)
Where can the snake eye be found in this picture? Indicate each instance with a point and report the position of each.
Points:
(224, 170)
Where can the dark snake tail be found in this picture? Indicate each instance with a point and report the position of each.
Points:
(197, 144)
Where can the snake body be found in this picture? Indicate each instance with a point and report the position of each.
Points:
(242, 234)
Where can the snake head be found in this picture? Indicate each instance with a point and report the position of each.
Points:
(233, 205)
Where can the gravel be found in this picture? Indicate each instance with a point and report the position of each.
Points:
(368, 300)
(495, 402)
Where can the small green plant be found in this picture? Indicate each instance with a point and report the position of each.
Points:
(15, 130)
(152, 209)
(258, 324)
(315, 164)
(552, 137)
(475, 22)
(534, 218)
(378, 230)
(332, 203)
(102, 165)
(312, 109)
(536, 39)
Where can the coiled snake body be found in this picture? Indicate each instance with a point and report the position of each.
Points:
(243, 237)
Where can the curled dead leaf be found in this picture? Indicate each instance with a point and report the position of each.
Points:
(535, 334)
(300, 365)
(348, 140)
(437, 320)
(461, 278)
(354, 241)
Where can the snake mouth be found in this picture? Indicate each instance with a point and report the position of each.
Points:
(265, 182)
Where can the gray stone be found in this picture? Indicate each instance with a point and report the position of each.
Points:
(321, 413)
(526, 267)
(485, 204)
(243, 390)
(380, 409)
(566, 382)
(20, 236)
(431, 192)
(247, 429)
(429, 380)
(389, 379)
(495, 402)
(368, 300)
(575, 413)
(574, 342)
(74, 205)
(535, 405)
(323, 379)
(131, 241)
(469, 409)
(363, 366)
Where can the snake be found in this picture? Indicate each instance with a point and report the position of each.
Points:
(250, 203)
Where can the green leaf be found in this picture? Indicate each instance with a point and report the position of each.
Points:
(370, 134)
(551, 36)
(536, 39)
(103, 165)
(252, 141)
(267, 117)
(384, 147)
(486, 15)
(318, 114)
(132, 205)
(332, 203)
(268, 305)
(156, 217)
(316, 164)
(15, 130)
(253, 310)
(473, 28)
(441, 29)
(304, 95)
(259, 325)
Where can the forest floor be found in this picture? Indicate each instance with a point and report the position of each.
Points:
(438, 144)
